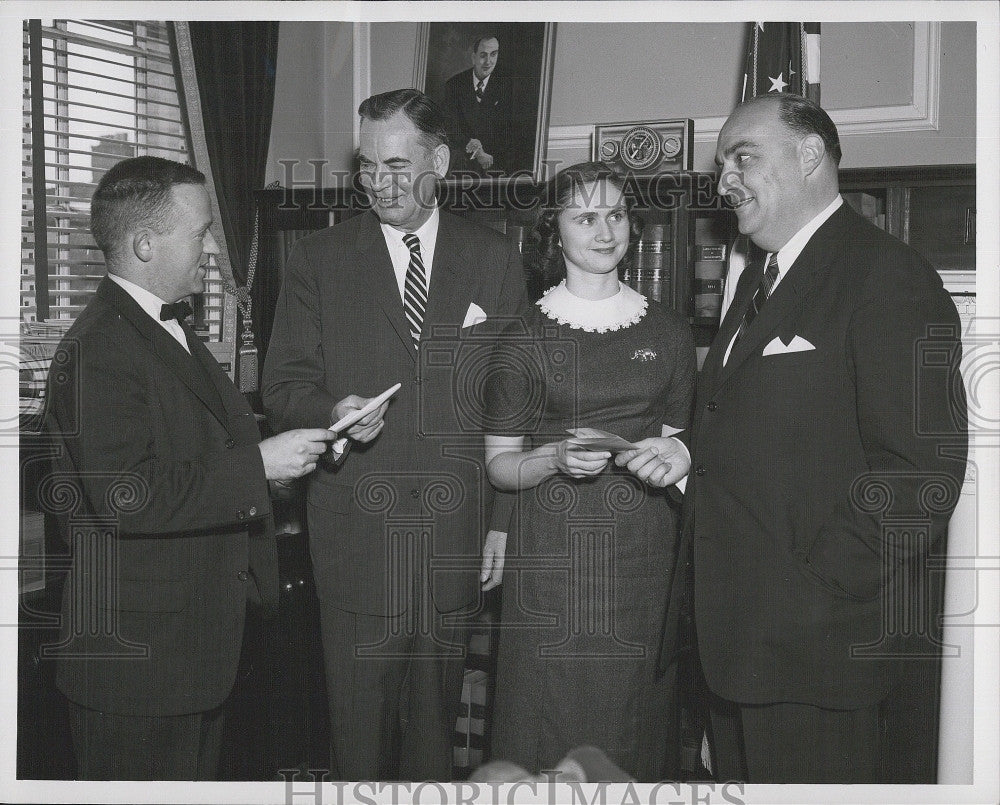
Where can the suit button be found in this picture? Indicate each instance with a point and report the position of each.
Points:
(241, 515)
(230, 443)
(712, 406)
(253, 511)
(242, 575)
(414, 493)
(699, 471)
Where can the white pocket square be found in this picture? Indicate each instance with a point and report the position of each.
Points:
(797, 344)
(474, 315)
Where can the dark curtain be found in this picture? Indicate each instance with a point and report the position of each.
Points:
(235, 66)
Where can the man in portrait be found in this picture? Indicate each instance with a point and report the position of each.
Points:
(479, 108)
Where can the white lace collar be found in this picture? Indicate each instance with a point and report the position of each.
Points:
(616, 312)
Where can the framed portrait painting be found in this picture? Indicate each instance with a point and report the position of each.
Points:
(493, 81)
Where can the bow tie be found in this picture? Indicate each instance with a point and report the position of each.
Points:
(178, 311)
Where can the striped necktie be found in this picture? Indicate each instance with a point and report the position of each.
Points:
(759, 297)
(479, 89)
(414, 288)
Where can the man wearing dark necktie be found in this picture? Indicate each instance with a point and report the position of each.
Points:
(168, 470)
(400, 294)
(479, 108)
(814, 403)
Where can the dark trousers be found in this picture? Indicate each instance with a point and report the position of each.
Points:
(109, 746)
(793, 743)
(394, 687)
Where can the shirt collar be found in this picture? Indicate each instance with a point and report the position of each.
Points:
(788, 254)
(147, 300)
(486, 81)
(427, 234)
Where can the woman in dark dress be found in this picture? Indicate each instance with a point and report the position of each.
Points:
(592, 542)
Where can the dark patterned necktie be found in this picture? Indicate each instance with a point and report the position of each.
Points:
(759, 297)
(177, 310)
(479, 89)
(414, 288)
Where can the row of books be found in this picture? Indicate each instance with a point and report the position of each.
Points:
(709, 279)
(650, 273)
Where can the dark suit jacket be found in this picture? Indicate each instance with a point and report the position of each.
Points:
(814, 471)
(166, 508)
(339, 329)
(491, 121)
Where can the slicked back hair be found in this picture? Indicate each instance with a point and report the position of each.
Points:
(133, 194)
(482, 38)
(423, 112)
(804, 116)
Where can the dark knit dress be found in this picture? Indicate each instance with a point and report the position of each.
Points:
(589, 562)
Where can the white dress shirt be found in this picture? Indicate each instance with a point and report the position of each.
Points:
(151, 304)
(475, 81)
(789, 253)
(399, 252)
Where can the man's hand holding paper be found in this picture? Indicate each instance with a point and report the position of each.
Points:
(361, 418)
(659, 461)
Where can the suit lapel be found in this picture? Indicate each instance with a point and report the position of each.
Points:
(233, 403)
(788, 297)
(492, 91)
(467, 96)
(745, 285)
(185, 367)
(373, 257)
(447, 295)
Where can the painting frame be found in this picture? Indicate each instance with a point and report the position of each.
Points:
(444, 51)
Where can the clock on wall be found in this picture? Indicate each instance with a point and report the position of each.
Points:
(648, 147)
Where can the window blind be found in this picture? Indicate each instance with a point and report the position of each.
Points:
(95, 92)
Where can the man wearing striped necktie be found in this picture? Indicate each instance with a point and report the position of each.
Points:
(479, 109)
(820, 417)
(400, 294)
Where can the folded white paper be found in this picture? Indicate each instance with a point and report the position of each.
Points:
(474, 315)
(797, 344)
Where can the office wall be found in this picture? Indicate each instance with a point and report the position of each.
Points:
(630, 71)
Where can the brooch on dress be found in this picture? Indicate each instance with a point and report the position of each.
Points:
(644, 355)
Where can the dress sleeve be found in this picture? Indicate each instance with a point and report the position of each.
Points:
(514, 394)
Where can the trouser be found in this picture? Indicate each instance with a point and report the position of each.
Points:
(394, 689)
(793, 743)
(110, 746)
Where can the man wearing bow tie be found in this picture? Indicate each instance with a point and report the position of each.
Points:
(167, 467)
(400, 294)
(829, 406)
(479, 107)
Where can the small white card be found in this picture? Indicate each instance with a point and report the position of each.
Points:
(360, 413)
(474, 315)
(778, 347)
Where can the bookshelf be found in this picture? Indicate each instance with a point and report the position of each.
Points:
(687, 229)
(933, 208)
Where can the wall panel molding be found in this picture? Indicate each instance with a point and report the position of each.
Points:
(362, 71)
(921, 114)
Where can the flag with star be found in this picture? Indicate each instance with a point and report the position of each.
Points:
(782, 57)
